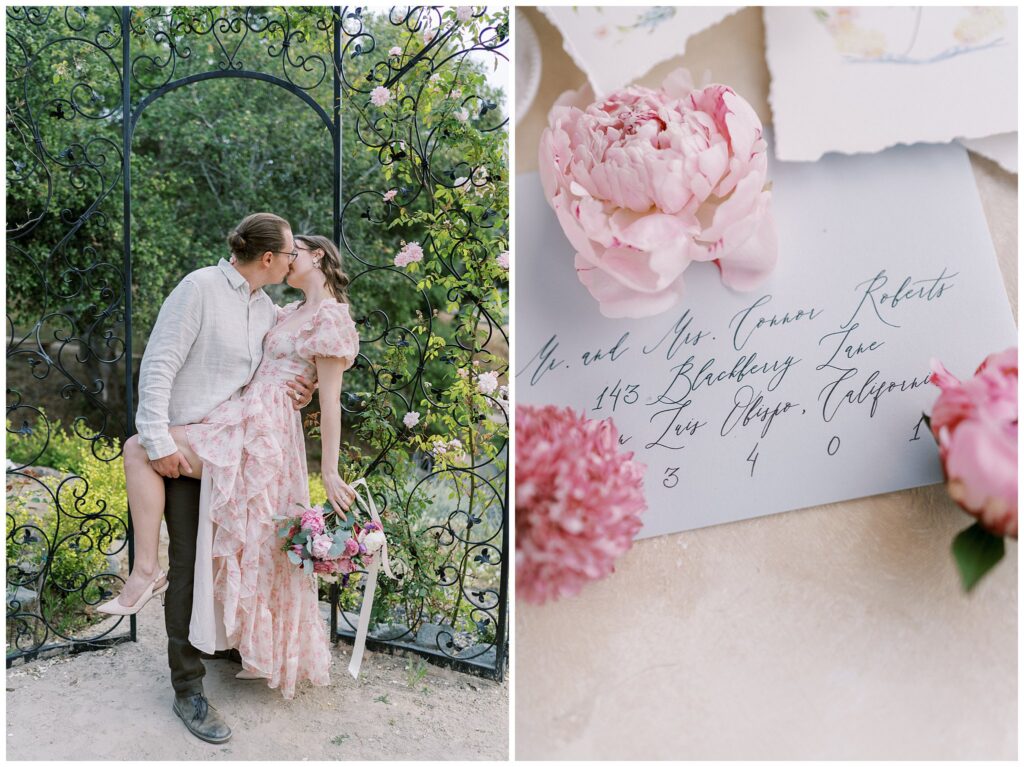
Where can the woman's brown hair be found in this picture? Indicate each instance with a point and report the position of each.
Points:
(255, 235)
(330, 264)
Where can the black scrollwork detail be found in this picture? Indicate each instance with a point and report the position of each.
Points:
(69, 319)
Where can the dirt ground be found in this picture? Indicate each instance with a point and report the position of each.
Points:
(116, 704)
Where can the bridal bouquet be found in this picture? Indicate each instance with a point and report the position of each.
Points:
(325, 543)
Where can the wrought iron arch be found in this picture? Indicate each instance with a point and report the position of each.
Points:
(107, 340)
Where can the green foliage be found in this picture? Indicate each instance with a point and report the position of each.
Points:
(69, 523)
(68, 554)
(976, 551)
(205, 155)
(98, 461)
(415, 671)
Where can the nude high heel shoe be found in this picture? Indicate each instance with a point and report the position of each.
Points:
(113, 607)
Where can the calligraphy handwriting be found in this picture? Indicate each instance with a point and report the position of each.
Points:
(746, 365)
(545, 359)
(929, 289)
(680, 336)
(747, 328)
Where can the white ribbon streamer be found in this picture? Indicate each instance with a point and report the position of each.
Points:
(371, 579)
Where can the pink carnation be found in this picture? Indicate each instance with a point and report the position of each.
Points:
(645, 182)
(975, 425)
(578, 501)
(380, 96)
(313, 520)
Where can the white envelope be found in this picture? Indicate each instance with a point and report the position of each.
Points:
(807, 391)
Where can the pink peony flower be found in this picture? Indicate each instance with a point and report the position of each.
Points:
(411, 419)
(351, 548)
(975, 425)
(322, 546)
(464, 12)
(380, 96)
(313, 520)
(390, 194)
(645, 182)
(396, 50)
(503, 260)
(410, 252)
(578, 501)
(462, 114)
(487, 382)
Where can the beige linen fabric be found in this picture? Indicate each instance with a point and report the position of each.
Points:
(205, 346)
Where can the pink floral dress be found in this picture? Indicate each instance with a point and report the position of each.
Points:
(248, 595)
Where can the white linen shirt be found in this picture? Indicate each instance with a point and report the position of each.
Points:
(205, 346)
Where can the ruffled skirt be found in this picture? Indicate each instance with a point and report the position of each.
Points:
(253, 597)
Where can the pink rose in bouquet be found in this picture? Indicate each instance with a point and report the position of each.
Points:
(645, 182)
(345, 566)
(322, 546)
(313, 521)
(975, 425)
(321, 567)
(578, 501)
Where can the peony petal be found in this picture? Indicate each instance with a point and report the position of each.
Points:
(678, 84)
(747, 266)
(616, 300)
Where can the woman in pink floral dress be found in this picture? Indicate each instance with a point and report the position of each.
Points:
(250, 454)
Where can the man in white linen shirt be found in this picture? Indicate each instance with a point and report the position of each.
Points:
(205, 346)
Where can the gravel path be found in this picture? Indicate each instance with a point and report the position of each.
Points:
(116, 704)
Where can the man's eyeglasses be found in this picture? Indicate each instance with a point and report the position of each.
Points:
(291, 256)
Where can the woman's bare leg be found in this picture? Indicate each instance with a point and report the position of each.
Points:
(146, 500)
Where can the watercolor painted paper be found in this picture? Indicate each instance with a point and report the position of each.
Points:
(863, 79)
(806, 391)
(615, 45)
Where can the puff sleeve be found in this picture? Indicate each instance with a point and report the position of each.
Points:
(331, 333)
(280, 312)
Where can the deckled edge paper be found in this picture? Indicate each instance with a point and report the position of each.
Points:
(806, 114)
(1001, 149)
(606, 72)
